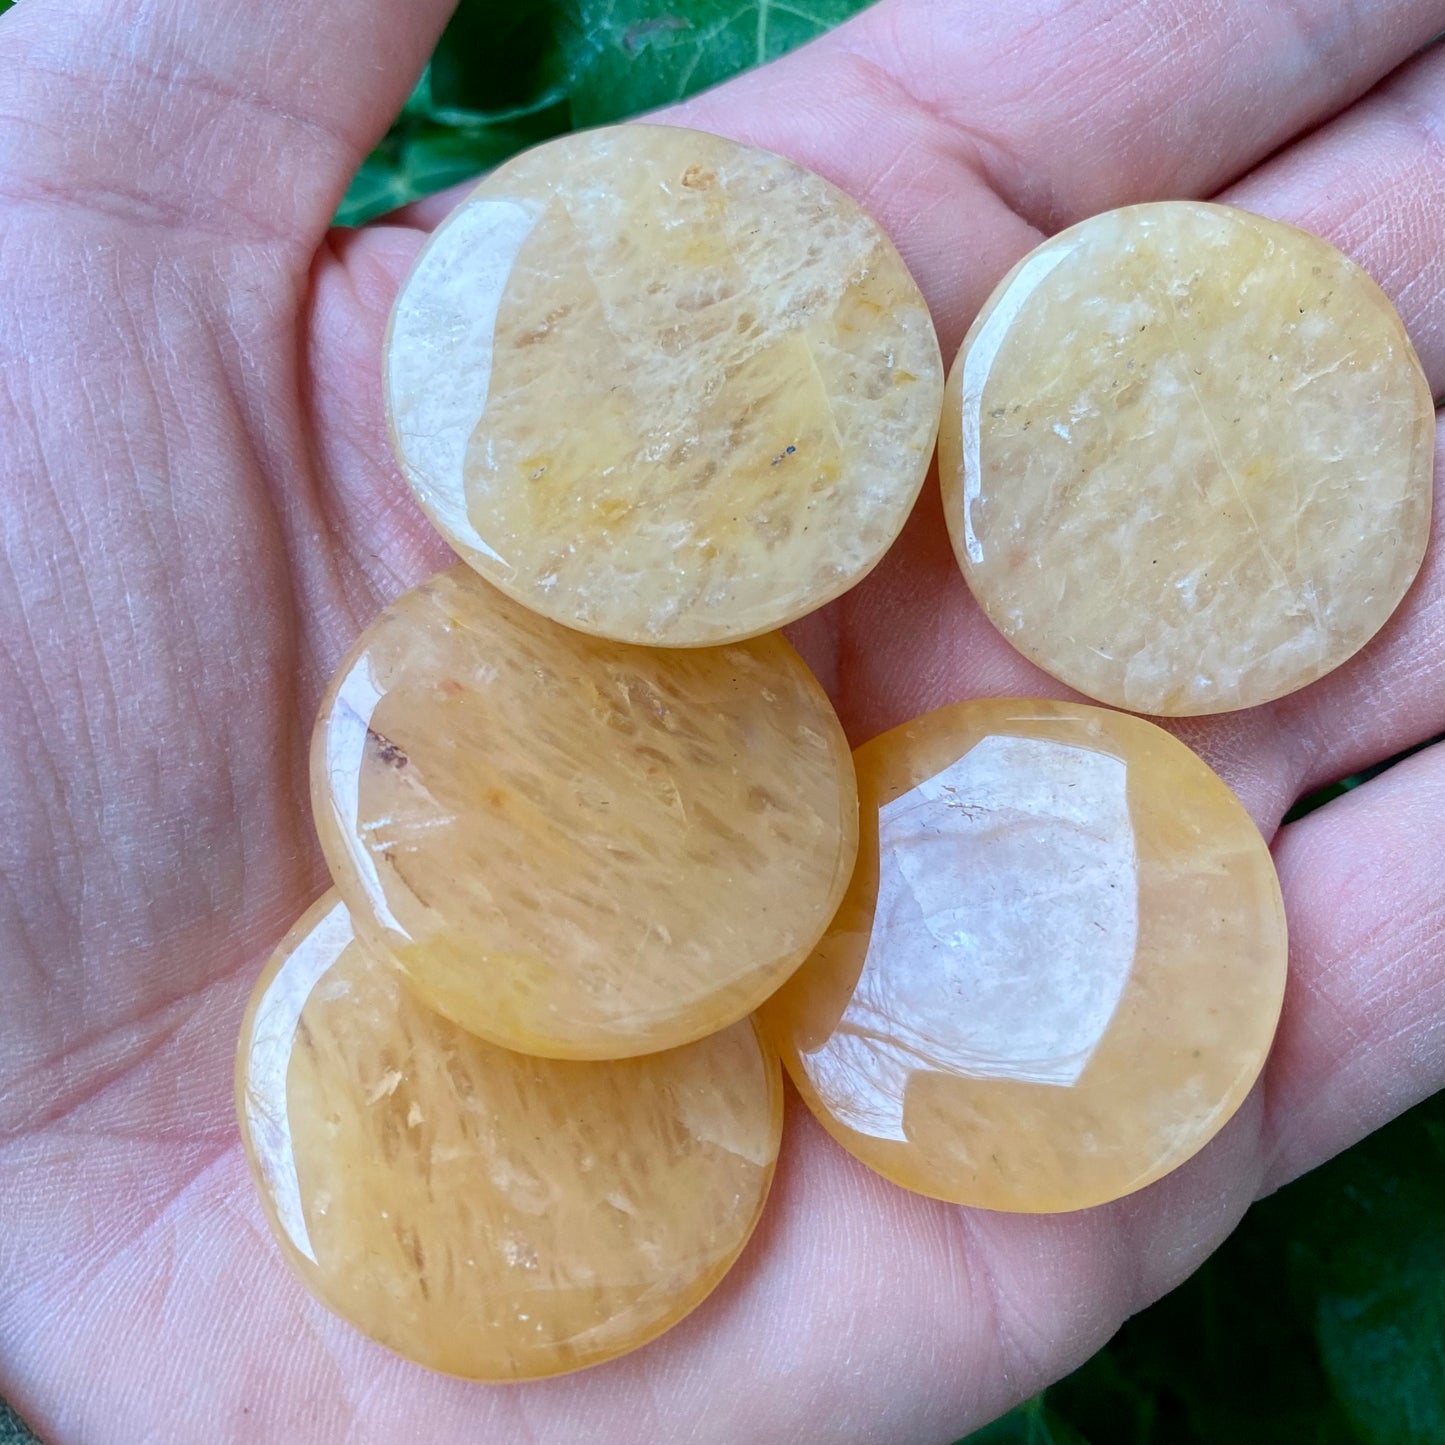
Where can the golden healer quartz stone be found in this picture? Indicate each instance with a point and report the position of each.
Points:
(1057, 970)
(574, 847)
(478, 1211)
(662, 387)
(1186, 458)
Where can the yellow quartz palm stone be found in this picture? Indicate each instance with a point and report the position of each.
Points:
(1059, 965)
(663, 387)
(574, 847)
(1186, 457)
(482, 1212)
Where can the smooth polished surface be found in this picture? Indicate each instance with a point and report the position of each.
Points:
(663, 387)
(478, 1211)
(1059, 966)
(575, 847)
(1186, 458)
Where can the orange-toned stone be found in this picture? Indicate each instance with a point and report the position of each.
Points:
(663, 387)
(575, 847)
(478, 1211)
(1058, 968)
(1186, 458)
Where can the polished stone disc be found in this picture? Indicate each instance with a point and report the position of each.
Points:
(478, 1211)
(1059, 965)
(1186, 458)
(575, 847)
(663, 387)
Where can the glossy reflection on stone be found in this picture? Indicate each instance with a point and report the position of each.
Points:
(575, 847)
(478, 1211)
(1058, 968)
(1186, 458)
(663, 387)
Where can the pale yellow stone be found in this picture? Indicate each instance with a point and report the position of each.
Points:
(478, 1211)
(1059, 965)
(663, 387)
(1186, 458)
(575, 847)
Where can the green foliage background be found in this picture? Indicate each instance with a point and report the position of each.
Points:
(1322, 1320)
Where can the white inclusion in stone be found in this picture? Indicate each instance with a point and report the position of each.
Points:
(346, 735)
(273, 1036)
(1004, 934)
(976, 367)
(439, 364)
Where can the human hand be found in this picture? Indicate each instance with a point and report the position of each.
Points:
(200, 512)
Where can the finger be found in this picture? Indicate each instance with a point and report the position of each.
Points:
(1362, 1037)
(1104, 102)
(240, 118)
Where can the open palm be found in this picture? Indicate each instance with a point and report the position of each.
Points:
(200, 511)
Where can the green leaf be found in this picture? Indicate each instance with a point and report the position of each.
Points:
(509, 73)
(1373, 1258)
(624, 56)
(13, 1430)
(1032, 1423)
(496, 58)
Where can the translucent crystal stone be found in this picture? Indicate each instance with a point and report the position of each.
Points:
(662, 387)
(478, 1211)
(1059, 965)
(574, 847)
(1186, 458)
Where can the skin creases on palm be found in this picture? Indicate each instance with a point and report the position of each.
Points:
(201, 512)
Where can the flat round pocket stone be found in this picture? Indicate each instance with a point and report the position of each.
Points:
(575, 847)
(1186, 458)
(662, 387)
(481, 1212)
(1058, 968)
